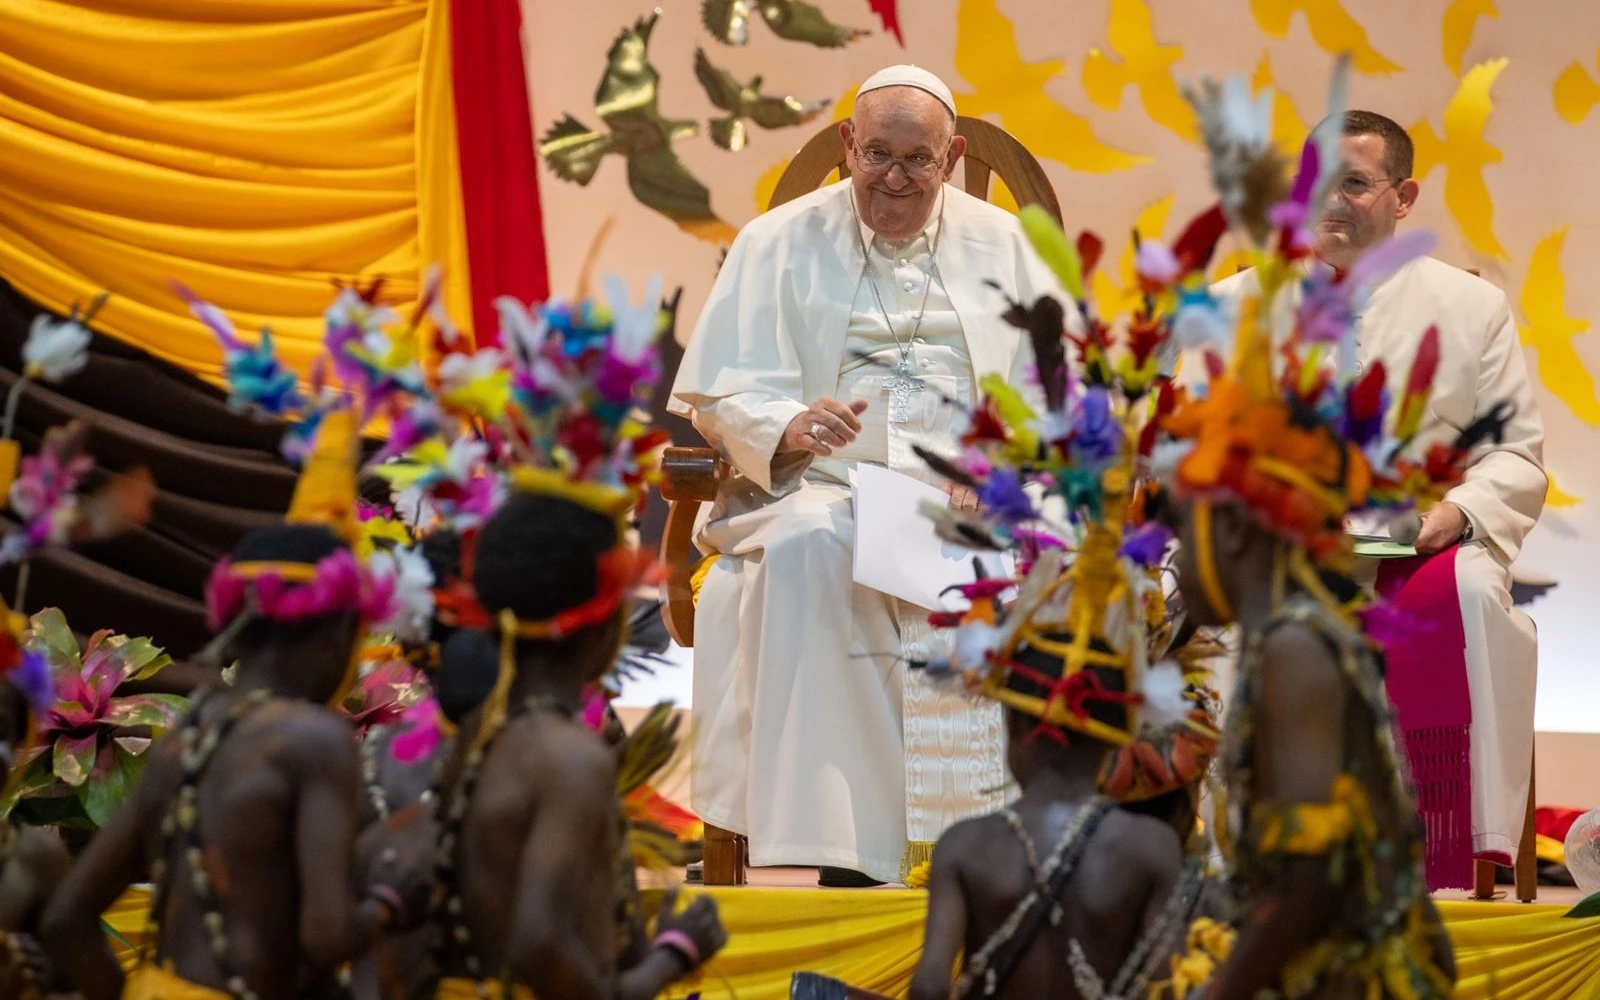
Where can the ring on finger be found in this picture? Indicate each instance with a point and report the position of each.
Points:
(816, 431)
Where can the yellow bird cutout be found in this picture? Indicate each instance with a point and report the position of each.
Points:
(1555, 496)
(1119, 295)
(1332, 28)
(1013, 90)
(1463, 152)
(1550, 331)
(1289, 130)
(1575, 93)
(1460, 20)
(1145, 63)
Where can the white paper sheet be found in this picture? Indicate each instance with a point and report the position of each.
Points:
(897, 551)
(1368, 525)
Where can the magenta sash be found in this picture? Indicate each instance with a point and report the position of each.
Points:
(1426, 656)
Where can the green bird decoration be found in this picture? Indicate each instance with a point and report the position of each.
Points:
(745, 101)
(729, 21)
(626, 100)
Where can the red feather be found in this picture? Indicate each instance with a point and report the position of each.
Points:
(1199, 240)
(890, 16)
(1425, 365)
(1366, 396)
(1090, 247)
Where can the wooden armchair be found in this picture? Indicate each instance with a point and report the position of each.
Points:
(692, 476)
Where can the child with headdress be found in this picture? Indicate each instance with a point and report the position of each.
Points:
(530, 789)
(1265, 465)
(246, 819)
(1066, 886)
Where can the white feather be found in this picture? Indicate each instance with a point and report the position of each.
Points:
(1164, 703)
(520, 328)
(54, 349)
(413, 594)
(633, 327)
(974, 640)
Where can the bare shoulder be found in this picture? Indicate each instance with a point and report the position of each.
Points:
(41, 852)
(566, 756)
(1299, 667)
(308, 734)
(969, 839)
(1142, 842)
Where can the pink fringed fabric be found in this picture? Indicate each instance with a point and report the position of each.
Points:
(1425, 650)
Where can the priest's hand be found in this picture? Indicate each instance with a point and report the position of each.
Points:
(962, 498)
(823, 426)
(1441, 528)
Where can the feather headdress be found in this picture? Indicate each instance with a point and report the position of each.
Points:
(1280, 425)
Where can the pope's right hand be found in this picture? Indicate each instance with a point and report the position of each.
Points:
(823, 426)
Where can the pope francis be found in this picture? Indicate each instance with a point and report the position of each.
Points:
(838, 328)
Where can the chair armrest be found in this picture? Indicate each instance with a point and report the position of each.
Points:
(693, 474)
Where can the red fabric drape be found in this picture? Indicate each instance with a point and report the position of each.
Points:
(499, 170)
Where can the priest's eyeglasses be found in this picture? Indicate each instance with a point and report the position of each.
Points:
(920, 166)
(1355, 187)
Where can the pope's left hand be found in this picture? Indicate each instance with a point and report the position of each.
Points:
(962, 498)
(1441, 528)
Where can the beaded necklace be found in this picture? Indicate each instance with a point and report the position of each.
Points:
(454, 932)
(1352, 947)
(181, 825)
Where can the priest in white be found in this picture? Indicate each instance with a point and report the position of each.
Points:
(1496, 505)
(838, 330)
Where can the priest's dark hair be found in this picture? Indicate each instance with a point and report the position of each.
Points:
(1399, 154)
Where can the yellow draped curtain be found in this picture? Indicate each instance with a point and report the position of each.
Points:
(255, 150)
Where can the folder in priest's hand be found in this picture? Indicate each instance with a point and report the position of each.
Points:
(897, 551)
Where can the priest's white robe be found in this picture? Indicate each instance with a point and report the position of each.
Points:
(1503, 492)
(811, 737)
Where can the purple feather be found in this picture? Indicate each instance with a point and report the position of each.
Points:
(1002, 497)
(1146, 545)
(1390, 256)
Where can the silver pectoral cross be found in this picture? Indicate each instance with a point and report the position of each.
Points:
(902, 386)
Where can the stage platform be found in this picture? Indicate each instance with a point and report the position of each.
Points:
(871, 938)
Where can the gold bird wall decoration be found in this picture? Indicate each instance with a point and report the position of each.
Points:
(626, 100)
(729, 22)
(744, 101)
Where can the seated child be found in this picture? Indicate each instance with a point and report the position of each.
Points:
(531, 790)
(246, 818)
(1061, 893)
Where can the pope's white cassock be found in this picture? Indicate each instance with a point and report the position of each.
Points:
(1481, 364)
(811, 736)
